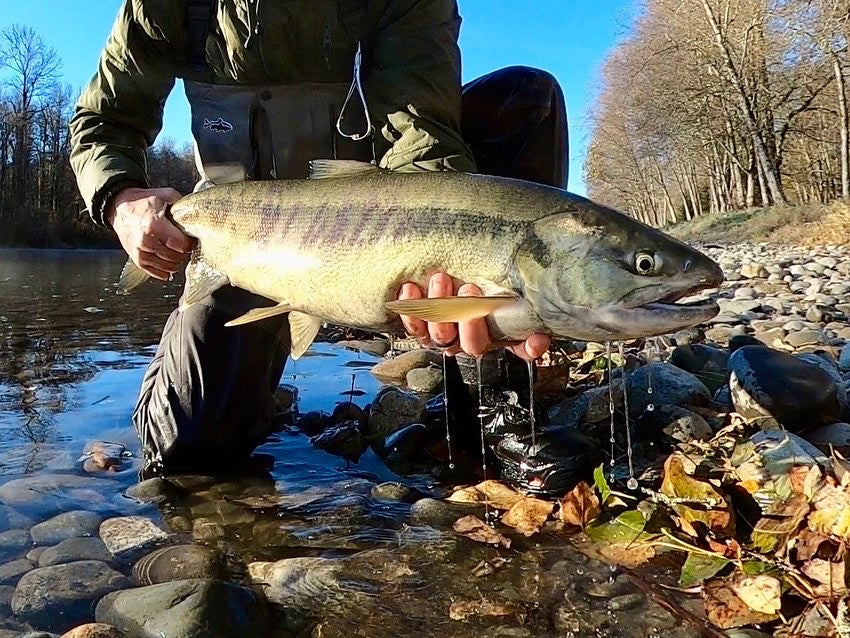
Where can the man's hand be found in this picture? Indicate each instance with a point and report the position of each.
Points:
(152, 242)
(471, 337)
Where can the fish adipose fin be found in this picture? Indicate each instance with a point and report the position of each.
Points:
(131, 276)
(450, 309)
(324, 168)
(302, 330)
(258, 314)
(201, 280)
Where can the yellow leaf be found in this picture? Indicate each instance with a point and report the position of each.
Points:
(497, 494)
(528, 515)
(710, 508)
(759, 593)
(580, 506)
(477, 530)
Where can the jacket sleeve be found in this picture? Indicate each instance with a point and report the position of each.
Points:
(414, 87)
(119, 113)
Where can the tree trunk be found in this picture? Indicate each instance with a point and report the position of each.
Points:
(844, 124)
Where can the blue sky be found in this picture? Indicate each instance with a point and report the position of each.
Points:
(568, 38)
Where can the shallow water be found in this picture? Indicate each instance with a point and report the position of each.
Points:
(72, 355)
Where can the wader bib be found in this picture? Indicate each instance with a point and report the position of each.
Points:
(207, 399)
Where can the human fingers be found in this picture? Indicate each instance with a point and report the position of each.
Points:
(443, 334)
(474, 335)
(414, 327)
(532, 348)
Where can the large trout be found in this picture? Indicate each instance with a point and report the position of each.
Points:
(338, 246)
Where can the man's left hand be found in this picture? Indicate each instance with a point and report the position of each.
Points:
(471, 337)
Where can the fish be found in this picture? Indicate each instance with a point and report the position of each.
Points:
(337, 247)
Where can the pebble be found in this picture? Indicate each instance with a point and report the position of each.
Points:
(391, 410)
(396, 369)
(178, 562)
(14, 540)
(425, 380)
(49, 494)
(10, 573)
(74, 549)
(127, 536)
(94, 630)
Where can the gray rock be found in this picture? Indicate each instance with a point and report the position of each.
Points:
(396, 369)
(63, 596)
(186, 609)
(805, 337)
(153, 490)
(10, 518)
(64, 526)
(677, 423)
(48, 494)
(425, 380)
(34, 554)
(828, 365)
(10, 573)
(753, 270)
(844, 358)
(391, 410)
(14, 540)
(737, 307)
(178, 562)
(704, 362)
(440, 514)
(6, 593)
(393, 491)
(768, 385)
(74, 549)
(836, 434)
(127, 537)
(669, 386)
(377, 347)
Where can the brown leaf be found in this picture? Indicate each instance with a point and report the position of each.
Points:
(760, 593)
(465, 609)
(528, 515)
(726, 610)
(830, 578)
(475, 529)
(580, 506)
(498, 495)
(629, 555)
(808, 543)
(780, 523)
(711, 508)
(832, 512)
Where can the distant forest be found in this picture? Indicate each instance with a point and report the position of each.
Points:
(39, 202)
(719, 105)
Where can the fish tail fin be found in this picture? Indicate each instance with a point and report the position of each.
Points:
(131, 277)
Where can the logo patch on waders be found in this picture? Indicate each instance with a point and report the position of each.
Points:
(218, 126)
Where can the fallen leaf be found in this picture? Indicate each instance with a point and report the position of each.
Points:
(528, 515)
(713, 511)
(700, 567)
(830, 578)
(808, 543)
(628, 527)
(465, 609)
(498, 495)
(475, 529)
(779, 524)
(759, 593)
(726, 610)
(629, 555)
(601, 484)
(580, 506)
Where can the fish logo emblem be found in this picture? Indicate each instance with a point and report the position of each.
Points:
(218, 126)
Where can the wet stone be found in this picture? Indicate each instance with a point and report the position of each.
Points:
(48, 494)
(6, 593)
(396, 369)
(626, 601)
(10, 518)
(834, 434)
(65, 526)
(670, 386)
(178, 608)
(10, 573)
(14, 540)
(392, 491)
(844, 358)
(805, 337)
(178, 562)
(154, 490)
(391, 410)
(126, 537)
(679, 424)
(425, 380)
(74, 549)
(94, 630)
(440, 514)
(63, 596)
(34, 554)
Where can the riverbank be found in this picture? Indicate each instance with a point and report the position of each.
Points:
(803, 225)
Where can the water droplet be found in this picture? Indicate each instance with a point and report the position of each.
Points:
(650, 407)
(451, 466)
(612, 440)
(632, 483)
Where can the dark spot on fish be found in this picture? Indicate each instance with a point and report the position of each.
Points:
(537, 249)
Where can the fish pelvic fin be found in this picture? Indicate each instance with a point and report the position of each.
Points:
(201, 280)
(450, 309)
(131, 277)
(258, 314)
(326, 168)
(302, 331)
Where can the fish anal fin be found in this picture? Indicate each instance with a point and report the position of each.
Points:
(450, 309)
(303, 329)
(258, 314)
(201, 280)
(326, 168)
(131, 277)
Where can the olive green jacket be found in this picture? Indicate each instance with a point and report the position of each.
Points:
(412, 78)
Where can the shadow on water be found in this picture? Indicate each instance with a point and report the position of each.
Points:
(72, 354)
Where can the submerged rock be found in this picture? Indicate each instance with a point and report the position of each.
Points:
(425, 380)
(63, 596)
(94, 630)
(186, 609)
(771, 386)
(343, 440)
(126, 537)
(74, 549)
(104, 456)
(391, 410)
(178, 562)
(48, 494)
(64, 526)
(10, 573)
(396, 369)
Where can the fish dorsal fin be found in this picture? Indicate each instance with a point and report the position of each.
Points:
(324, 168)
(302, 330)
(201, 280)
(258, 314)
(453, 309)
(131, 276)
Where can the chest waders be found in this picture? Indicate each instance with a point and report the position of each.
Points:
(207, 399)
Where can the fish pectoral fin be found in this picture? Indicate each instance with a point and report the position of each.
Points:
(201, 280)
(258, 314)
(450, 309)
(302, 330)
(131, 276)
(324, 168)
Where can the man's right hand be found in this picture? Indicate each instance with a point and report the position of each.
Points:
(152, 241)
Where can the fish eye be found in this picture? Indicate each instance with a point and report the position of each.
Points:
(647, 263)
